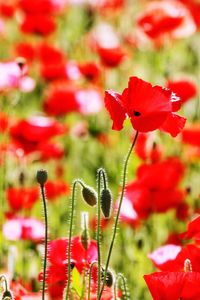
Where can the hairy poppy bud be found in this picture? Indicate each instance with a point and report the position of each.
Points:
(106, 202)
(89, 195)
(41, 177)
(109, 278)
(7, 295)
(85, 238)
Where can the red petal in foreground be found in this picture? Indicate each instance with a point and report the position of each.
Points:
(115, 108)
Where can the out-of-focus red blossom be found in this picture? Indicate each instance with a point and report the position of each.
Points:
(111, 57)
(37, 6)
(49, 54)
(191, 134)
(182, 211)
(90, 70)
(185, 89)
(23, 229)
(172, 257)
(20, 293)
(194, 8)
(7, 9)
(193, 230)
(50, 150)
(166, 19)
(148, 107)
(174, 285)
(57, 256)
(152, 193)
(173, 238)
(56, 189)
(38, 24)
(146, 148)
(22, 198)
(26, 50)
(30, 134)
(4, 122)
(11, 76)
(64, 99)
(104, 223)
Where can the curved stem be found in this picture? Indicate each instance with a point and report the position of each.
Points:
(125, 292)
(70, 238)
(45, 240)
(118, 212)
(90, 276)
(3, 278)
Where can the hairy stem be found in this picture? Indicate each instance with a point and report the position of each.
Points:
(118, 213)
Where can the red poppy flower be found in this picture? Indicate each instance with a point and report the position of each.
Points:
(194, 8)
(26, 50)
(49, 54)
(111, 57)
(169, 18)
(146, 148)
(35, 130)
(65, 99)
(20, 293)
(7, 9)
(38, 24)
(90, 70)
(191, 134)
(53, 71)
(55, 189)
(50, 150)
(152, 193)
(185, 89)
(36, 6)
(193, 230)
(4, 122)
(57, 256)
(22, 198)
(174, 285)
(148, 107)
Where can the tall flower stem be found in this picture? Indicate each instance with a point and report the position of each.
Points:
(100, 173)
(118, 212)
(90, 277)
(45, 240)
(70, 237)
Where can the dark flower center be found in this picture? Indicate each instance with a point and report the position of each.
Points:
(136, 113)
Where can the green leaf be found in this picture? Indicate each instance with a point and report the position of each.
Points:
(76, 281)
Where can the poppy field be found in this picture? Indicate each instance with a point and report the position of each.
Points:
(99, 149)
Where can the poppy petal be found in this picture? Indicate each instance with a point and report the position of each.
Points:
(173, 124)
(115, 108)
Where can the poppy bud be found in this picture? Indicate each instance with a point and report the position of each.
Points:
(109, 278)
(41, 177)
(89, 195)
(106, 202)
(85, 238)
(187, 265)
(7, 295)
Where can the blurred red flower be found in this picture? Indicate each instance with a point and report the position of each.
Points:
(111, 57)
(191, 134)
(174, 285)
(37, 6)
(166, 19)
(38, 24)
(35, 131)
(193, 230)
(148, 107)
(22, 198)
(185, 89)
(56, 189)
(151, 192)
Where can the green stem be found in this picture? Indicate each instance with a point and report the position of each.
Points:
(70, 238)
(90, 276)
(3, 278)
(124, 290)
(100, 172)
(45, 240)
(118, 212)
